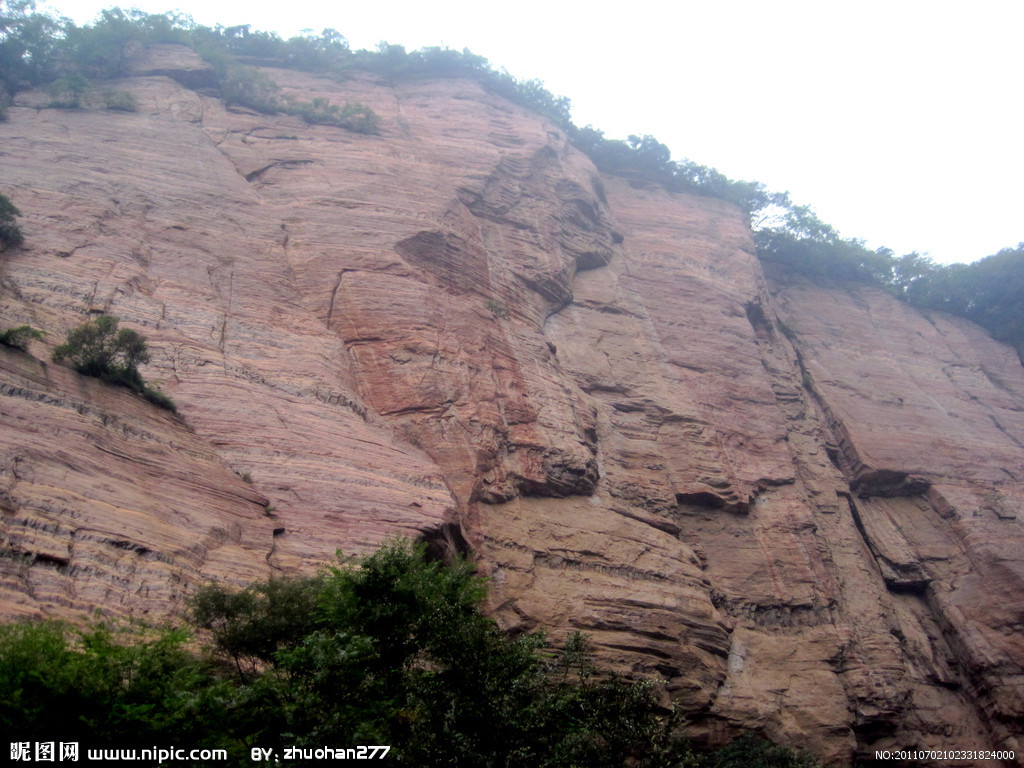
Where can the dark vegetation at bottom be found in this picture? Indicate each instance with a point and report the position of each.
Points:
(392, 649)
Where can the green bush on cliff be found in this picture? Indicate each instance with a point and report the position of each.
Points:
(799, 243)
(750, 752)
(69, 92)
(989, 292)
(249, 87)
(10, 232)
(120, 101)
(99, 348)
(19, 337)
(353, 116)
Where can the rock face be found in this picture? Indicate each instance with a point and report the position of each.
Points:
(796, 506)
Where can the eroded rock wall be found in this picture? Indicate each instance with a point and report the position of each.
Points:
(927, 415)
(796, 506)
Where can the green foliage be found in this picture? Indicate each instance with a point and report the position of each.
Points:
(792, 240)
(391, 649)
(126, 688)
(353, 116)
(751, 752)
(530, 94)
(646, 158)
(990, 291)
(249, 87)
(327, 52)
(102, 50)
(10, 232)
(497, 309)
(20, 337)
(798, 242)
(395, 650)
(98, 348)
(252, 625)
(69, 92)
(158, 398)
(30, 44)
(120, 101)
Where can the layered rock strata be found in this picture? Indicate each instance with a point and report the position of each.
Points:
(794, 505)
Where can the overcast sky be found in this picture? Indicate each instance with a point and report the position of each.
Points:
(899, 122)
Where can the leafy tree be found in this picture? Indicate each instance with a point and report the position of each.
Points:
(29, 42)
(327, 52)
(98, 685)
(397, 651)
(647, 158)
(252, 625)
(99, 348)
(990, 292)
(909, 270)
(796, 241)
(390, 649)
(10, 232)
(103, 49)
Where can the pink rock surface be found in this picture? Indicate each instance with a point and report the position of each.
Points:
(795, 506)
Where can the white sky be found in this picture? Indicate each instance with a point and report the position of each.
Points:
(898, 121)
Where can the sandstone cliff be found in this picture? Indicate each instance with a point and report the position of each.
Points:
(796, 506)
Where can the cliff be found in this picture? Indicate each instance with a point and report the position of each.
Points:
(795, 505)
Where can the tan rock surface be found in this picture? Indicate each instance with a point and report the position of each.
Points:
(930, 415)
(109, 504)
(458, 327)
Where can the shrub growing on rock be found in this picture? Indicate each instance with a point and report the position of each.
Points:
(69, 92)
(120, 101)
(10, 233)
(19, 337)
(354, 116)
(99, 348)
(249, 87)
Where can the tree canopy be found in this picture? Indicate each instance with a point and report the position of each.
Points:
(391, 649)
